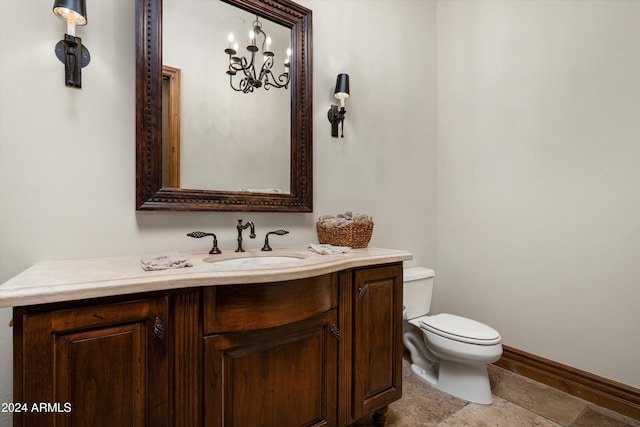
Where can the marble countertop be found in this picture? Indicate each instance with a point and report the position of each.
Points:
(76, 279)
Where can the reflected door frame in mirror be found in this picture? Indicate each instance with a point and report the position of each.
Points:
(150, 193)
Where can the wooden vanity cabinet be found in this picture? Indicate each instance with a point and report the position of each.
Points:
(319, 351)
(103, 365)
(370, 356)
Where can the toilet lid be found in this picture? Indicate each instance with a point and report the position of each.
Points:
(460, 329)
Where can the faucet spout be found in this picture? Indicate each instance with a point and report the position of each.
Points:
(241, 227)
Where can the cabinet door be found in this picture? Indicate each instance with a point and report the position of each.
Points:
(377, 338)
(94, 366)
(282, 376)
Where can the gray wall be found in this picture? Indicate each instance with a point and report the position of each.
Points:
(539, 176)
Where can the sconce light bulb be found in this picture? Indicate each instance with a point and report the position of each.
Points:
(70, 17)
(71, 27)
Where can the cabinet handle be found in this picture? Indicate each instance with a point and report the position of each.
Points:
(335, 331)
(159, 328)
(363, 290)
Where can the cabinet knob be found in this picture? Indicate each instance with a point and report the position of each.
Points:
(363, 290)
(335, 331)
(159, 328)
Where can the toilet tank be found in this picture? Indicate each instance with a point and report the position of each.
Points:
(418, 286)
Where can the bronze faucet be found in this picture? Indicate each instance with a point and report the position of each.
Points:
(241, 227)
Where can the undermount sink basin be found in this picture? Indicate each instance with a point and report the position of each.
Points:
(254, 260)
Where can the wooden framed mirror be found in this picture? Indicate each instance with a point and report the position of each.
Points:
(153, 190)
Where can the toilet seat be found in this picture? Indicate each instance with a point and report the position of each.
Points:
(460, 329)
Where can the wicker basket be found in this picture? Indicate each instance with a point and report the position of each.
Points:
(354, 235)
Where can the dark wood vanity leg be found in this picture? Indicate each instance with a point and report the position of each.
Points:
(380, 417)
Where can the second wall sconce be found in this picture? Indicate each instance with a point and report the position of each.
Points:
(70, 50)
(335, 114)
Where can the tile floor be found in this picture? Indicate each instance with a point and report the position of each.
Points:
(517, 401)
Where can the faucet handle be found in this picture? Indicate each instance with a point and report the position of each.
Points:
(199, 234)
(266, 246)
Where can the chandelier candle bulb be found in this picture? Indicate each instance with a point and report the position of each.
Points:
(230, 40)
(268, 43)
(252, 38)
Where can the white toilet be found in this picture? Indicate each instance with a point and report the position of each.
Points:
(448, 352)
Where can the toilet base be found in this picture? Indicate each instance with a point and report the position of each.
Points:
(465, 381)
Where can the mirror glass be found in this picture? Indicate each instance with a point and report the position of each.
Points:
(200, 144)
(228, 140)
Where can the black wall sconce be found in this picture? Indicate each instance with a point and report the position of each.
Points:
(70, 50)
(335, 114)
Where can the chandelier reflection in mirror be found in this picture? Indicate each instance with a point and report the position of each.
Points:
(246, 69)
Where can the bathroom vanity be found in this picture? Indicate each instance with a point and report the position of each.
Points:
(312, 340)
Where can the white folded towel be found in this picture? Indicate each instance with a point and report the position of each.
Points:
(325, 249)
(164, 261)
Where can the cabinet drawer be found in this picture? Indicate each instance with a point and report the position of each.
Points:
(264, 305)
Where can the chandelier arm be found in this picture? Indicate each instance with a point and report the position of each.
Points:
(231, 84)
(266, 68)
(270, 81)
(264, 38)
(282, 81)
(241, 65)
(247, 86)
(244, 64)
(285, 78)
(250, 70)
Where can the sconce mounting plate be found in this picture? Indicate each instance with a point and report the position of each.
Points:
(85, 57)
(336, 117)
(72, 53)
